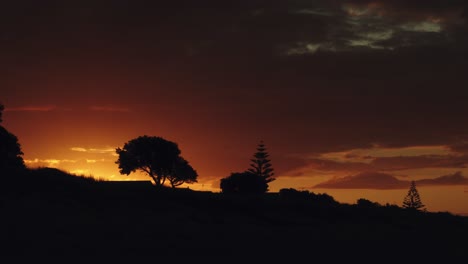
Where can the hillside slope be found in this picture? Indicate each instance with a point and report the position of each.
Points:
(92, 218)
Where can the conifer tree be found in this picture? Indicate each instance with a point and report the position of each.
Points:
(261, 165)
(412, 199)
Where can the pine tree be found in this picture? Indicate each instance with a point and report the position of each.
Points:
(261, 165)
(412, 199)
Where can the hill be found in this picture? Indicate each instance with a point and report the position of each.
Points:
(49, 212)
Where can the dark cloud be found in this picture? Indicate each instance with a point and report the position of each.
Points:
(109, 109)
(452, 179)
(383, 181)
(330, 165)
(395, 163)
(460, 147)
(415, 8)
(365, 180)
(418, 162)
(205, 27)
(41, 108)
(227, 64)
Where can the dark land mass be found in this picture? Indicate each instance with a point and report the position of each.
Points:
(48, 213)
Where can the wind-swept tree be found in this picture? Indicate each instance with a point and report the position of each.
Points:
(412, 199)
(261, 164)
(11, 159)
(182, 173)
(156, 156)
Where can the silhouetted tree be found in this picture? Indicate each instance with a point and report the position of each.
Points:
(1, 112)
(11, 159)
(244, 183)
(412, 199)
(155, 156)
(182, 173)
(10, 152)
(261, 165)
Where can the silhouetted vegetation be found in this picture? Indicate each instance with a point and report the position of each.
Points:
(158, 157)
(54, 212)
(11, 160)
(412, 200)
(291, 193)
(1, 112)
(255, 179)
(182, 173)
(49, 211)
(65, 214)
(261, 165)
(320, 198)
(361, 202)
(243, 183)
(10, 152)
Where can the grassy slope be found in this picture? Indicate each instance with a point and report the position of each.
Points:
(50, 212)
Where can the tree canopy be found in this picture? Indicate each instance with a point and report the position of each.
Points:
(11, 159)
(255, 179)
(182, 173)
(158, 157)
(243, 183)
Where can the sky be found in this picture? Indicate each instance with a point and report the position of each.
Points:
(351, 98)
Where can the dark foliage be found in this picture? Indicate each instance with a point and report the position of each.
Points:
(48, 212)
(261, 164)
(158, 157)
(361, 202)
(10, 152)
(291, 193)
(1, 112)
(78, 216)
(182, 173)
(243, 183)
(11, 160)
(320, 198)
(412, 200)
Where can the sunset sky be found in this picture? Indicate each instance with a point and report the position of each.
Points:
(352, 98)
